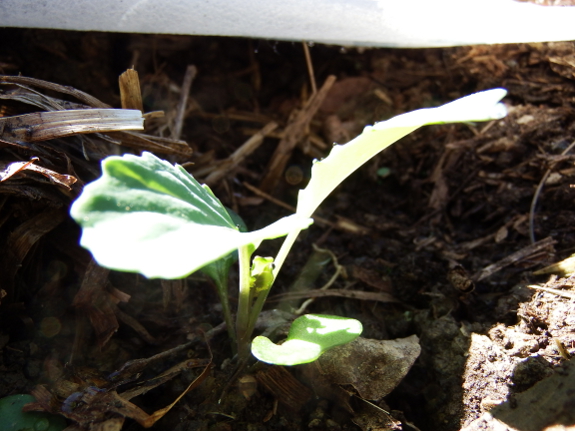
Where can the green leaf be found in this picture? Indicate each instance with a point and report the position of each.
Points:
(14, 419)
(343, 160)
(219, 269)
(309, 336)
(261, 274)
(146, 215)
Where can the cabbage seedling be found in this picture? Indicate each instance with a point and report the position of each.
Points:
(146, 215)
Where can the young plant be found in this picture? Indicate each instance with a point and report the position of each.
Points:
(309, 336)
(148, 216)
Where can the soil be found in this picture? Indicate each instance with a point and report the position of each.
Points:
(437, 229)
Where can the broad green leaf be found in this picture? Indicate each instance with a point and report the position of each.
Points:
(146, 215)
(219, 269)
(309, 336)
(343, 160)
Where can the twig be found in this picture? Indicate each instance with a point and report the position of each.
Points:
(514, 257)
(42, 126)
(191, 73)
(538, 192)
(340, 293)
(338, 269)
(309, 67)
(138, 365)
(294, 132)
(46, 85)
(248, 147)
(563, 293)
(562, 350)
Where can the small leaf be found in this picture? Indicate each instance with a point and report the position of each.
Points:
(261, 274)
(146, 215)
(309, 336)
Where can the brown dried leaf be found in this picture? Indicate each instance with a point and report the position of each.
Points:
(21, 240)
(93, 402)
(373, 367)
(372, 418)
(63, 180)
(284, 386)
(93, 300)
(345, 90)
(372, 278)
(28, 96)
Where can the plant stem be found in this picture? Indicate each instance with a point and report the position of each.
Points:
(257, 308)
(244, 303)
(284, 250)
(278, 262)
(222, 290)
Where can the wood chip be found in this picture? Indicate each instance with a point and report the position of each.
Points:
(227, 166)
(130, 92)
(294, 133)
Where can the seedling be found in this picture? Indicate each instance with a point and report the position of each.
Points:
(309, 336)
(146, 215)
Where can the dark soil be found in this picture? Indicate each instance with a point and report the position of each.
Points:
(443, 233)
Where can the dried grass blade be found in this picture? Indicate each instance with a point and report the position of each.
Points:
(42, 126)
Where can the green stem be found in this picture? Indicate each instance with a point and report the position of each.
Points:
(278, 262)
(222, 290)
(244, 303)
(284, 251)
(257, 308)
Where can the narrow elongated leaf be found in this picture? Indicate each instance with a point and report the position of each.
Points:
(343, 160)
(146, 215)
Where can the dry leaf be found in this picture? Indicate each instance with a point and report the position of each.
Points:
(12, 169)
(372, 367)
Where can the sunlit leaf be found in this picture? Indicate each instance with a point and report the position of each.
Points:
(343, 160)
(146, 215)
(309, 336)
